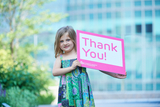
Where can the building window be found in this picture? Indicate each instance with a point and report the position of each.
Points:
(82, 7)
(148, 28)
(157, 2)
(127, 3)
(90, 6)
(118, 15)
(157, 62)
(158, 38)
(138, 87)
(118, 30)
(108, 15)
(91, 16)
(118, 87)
(158, 86)
(128, 29)
(128, 87)
(137, 3)
(108, 5)
(137, 14)
(68, 8)
(68, 1)
(68, 18)
(148, 13)
(157, 13)
(138, 28)
(83, 16)
(118, 4)
(99, 5)
(149, 86)
(128, 14)
(148, 3)
(99, 15)
(109, 31)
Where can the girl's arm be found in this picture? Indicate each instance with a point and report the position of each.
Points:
(120, 76)
(57, 70)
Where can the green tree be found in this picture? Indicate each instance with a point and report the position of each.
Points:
(20, 19)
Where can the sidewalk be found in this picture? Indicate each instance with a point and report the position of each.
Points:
(122, 103)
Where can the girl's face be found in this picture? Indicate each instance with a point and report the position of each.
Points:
(66, 43)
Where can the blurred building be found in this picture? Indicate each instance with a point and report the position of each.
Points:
(137, 22)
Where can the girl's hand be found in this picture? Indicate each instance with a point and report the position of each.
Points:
(75, 64)
(121, 76)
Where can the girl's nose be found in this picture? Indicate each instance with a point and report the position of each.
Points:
(65, 42)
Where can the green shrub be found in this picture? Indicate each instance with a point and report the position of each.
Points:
(20, 76)
(15, 97)
(46, 98)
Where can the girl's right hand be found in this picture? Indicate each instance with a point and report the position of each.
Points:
(75, 64)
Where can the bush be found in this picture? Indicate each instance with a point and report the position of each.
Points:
(15, 97)
(21, 76)
(46, 98)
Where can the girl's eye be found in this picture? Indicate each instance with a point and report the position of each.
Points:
(68, 39)
(61, 41)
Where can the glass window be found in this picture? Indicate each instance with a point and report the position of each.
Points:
(118, 14)
(90, 6)
(148, 13)
(109, 31)
(149, 86)
(127, 3)
(157, 13)
(138, 60)
(158, 86)
(148, 3)
(148, 28)
(68, 8)
(118, 30)
(110, 87)
(118, 87)
(99, 5)
(137, 3)
(75, 17)
(158, 62)
(157, 2)
(91, 16)
(108, 5)
(118, 4)
(138, 86)
(68, 1)
(99, 15)
(138, 28)
(158, 38)
(128, 14)
(128, 87)
(83, 16)
(68, 18)
(108, 15)
(82, 7)
(138, 14)
(149, 63)
(128, 29)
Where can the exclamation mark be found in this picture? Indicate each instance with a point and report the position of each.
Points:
(105, 55)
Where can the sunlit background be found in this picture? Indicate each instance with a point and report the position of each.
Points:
(135, 21)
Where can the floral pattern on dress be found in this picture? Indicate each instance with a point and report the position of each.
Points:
(75, 88)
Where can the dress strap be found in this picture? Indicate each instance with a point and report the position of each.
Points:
(60, 56)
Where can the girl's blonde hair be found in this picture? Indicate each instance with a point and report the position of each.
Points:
(59, 34)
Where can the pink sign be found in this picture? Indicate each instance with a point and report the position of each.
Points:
(101, 52)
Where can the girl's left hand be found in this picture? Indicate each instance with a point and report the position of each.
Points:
(121, 76)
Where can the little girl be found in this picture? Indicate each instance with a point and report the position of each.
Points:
(74, 87)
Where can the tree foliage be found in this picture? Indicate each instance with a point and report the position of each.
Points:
(20, 19)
